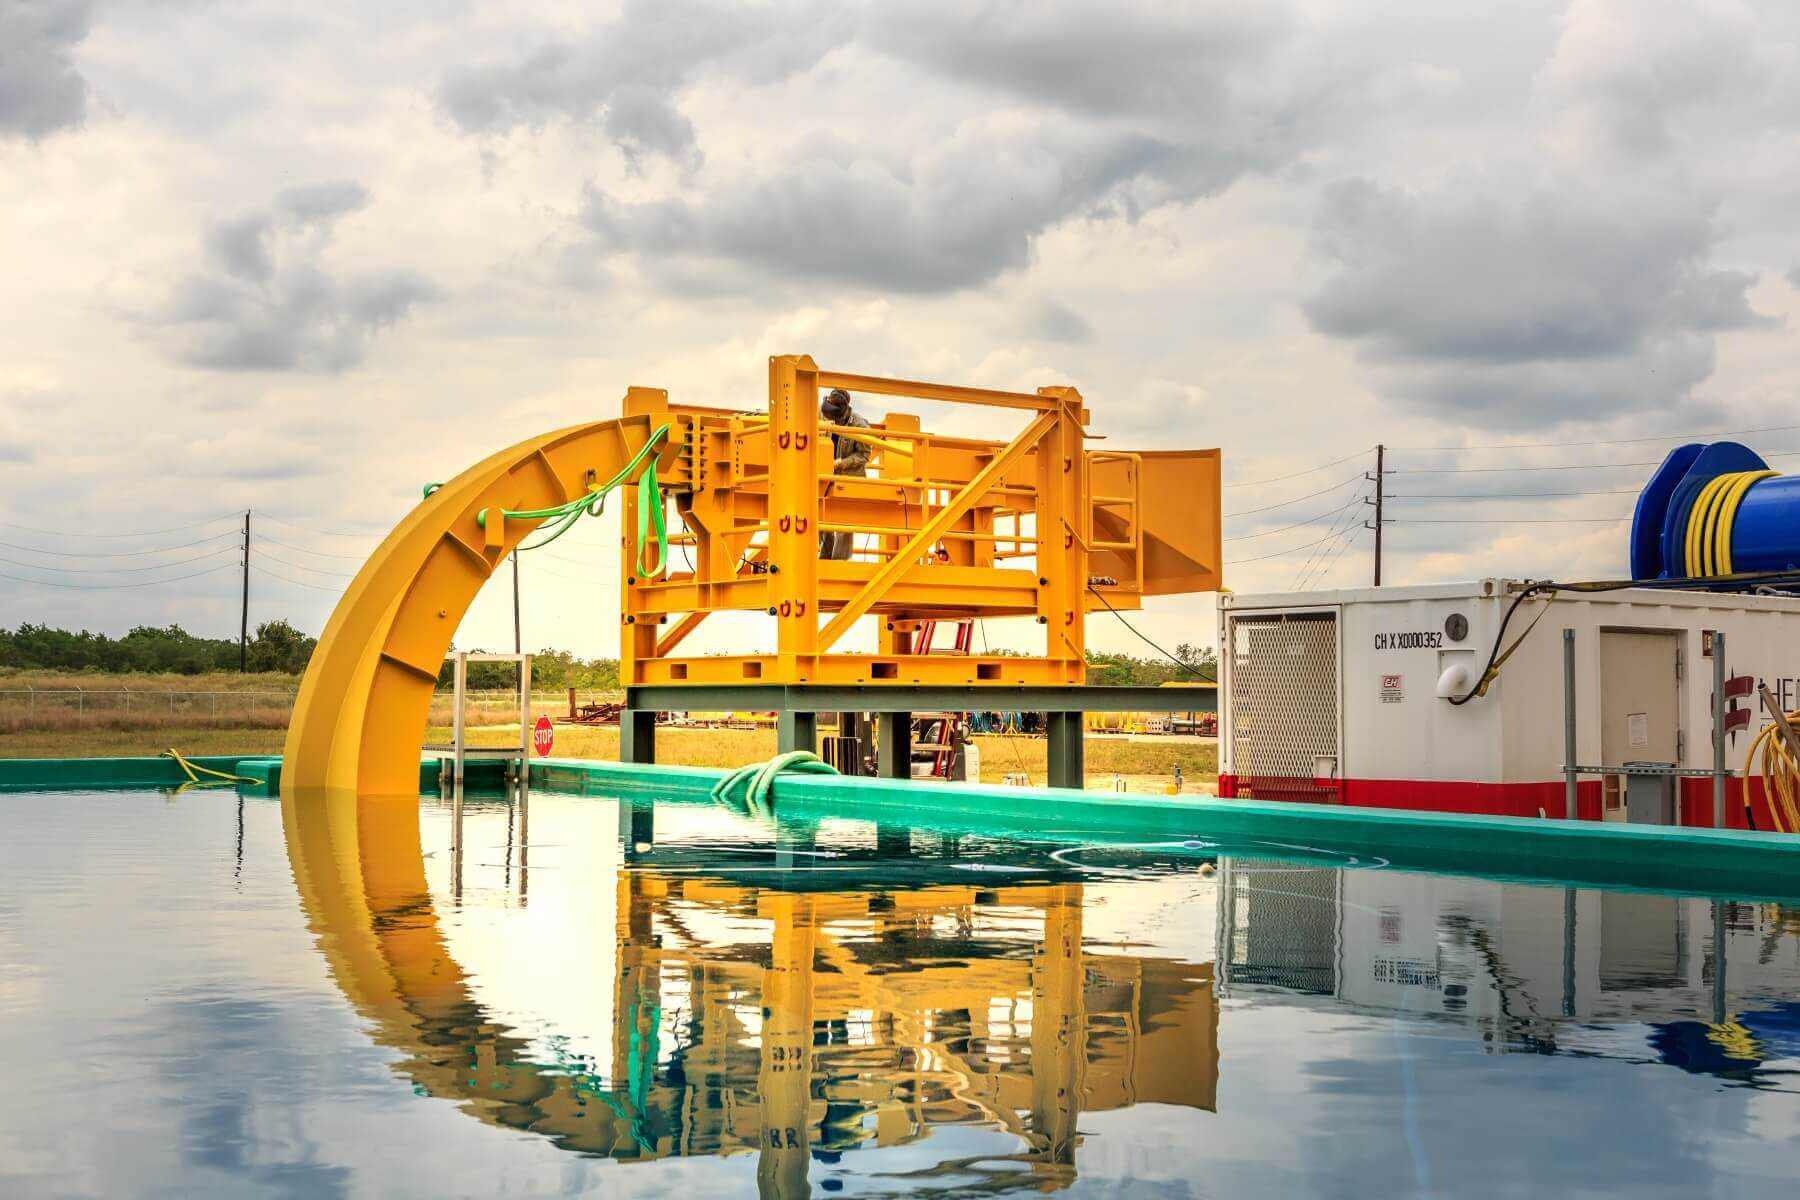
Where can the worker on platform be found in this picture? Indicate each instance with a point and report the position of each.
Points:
(848, 457)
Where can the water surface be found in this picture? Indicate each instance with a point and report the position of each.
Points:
(200, 997)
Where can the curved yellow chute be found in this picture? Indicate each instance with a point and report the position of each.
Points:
(359, 720)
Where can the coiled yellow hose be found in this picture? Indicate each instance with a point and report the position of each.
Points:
(1780, 775)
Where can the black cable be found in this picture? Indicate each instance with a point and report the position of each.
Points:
(1330, 564)
(1517, 521)
(1193, 670)
(263, 539)
(1391, 497)
(1244, 537)
(1246, 512)
(180, 562)
(1304, 576)
(276, 558)
(139, 533)
(1500, 637)
(1568, 467)
(1297, 474)
(373, 533)
(105, 587)
(229, 533)
(1231, 562)
(1665, 437)
(1592, 587)
(296, 582)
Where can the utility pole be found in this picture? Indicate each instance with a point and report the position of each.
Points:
(518, 642)
(1379, 480)
(244, 620)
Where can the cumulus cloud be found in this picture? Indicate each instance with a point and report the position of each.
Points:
(625, 74)
(41, 92)
(1054, 321)
(266, 299)
(952, 215)
(1563, 303)
(1201, 63)
(1045, 114)
(1639, 79)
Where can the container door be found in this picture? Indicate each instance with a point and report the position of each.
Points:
(1640, 705)
(1284, 706)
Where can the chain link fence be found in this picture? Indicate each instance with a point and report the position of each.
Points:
(71, 707)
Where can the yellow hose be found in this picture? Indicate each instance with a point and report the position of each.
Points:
(1699, 526)
(1780, 775)
(195, 771)
(1728, 506)
(1711, 519)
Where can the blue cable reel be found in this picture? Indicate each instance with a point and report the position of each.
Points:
(1715, 510)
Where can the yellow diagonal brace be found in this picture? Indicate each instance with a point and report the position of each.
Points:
(667, 643)
(907, 557)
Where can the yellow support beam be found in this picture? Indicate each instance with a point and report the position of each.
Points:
(907, 557)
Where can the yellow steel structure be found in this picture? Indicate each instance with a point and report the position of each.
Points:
(1037, 526)
(359, 720)
(717, 1048)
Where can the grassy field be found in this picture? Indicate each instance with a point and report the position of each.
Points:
(1146, 765)
(81, 715)
(12, 678)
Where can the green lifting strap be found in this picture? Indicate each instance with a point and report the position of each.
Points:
(652, 521)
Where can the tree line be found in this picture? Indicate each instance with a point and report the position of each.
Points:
(168, 649)
(279, 647)
(1197, 664)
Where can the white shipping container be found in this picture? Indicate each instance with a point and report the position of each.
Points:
(1345, 695)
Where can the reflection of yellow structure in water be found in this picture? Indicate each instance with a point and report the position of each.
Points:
(795, 1025)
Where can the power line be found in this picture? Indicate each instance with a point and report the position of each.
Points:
(1245, 512)
(303, 567)
(1665, 437)
(1521, 521)
(373, 533)
(261, 570)
(1569, 467)
(1284, 553)
(180, 562)
(104, 587)
(1242, 537)
(230, 533)
(1339, 528)
(1331, 563)
(1316, 557)
(1297, 474)
(266, 540)
(139, 533)
(1517, 495)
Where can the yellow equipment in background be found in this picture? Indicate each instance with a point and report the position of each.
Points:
(1036, 526)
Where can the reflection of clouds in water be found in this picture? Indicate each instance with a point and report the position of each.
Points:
(229, 1067)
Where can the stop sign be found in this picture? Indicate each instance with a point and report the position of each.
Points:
(543, 735)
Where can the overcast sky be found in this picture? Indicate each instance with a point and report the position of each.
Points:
(303, 259)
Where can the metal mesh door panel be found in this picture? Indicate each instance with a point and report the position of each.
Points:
(1284, 703)
(1283, 925)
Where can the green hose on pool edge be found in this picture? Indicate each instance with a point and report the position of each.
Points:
(747, 788)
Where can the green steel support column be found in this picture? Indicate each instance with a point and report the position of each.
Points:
(1068, 767)
(797, 731)
(637, 736)
(895, 749)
